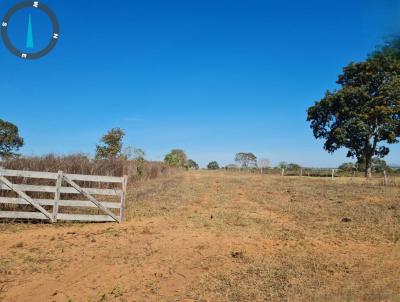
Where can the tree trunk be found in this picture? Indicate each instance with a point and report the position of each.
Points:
(368, 166)
(368, 158)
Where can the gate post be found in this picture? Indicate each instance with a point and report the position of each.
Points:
(57, 195)
(123, 197)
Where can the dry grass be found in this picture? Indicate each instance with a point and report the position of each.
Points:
(216, 236)
(82, 164)
(318, 255)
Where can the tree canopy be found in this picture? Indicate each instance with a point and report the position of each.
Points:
(246, 159)
(176, 158)
(111, 144)
(380, 165)
(390, 48)
(293, 166)
(10, 141)
(192, 164)
(364, 114)
(213, 166)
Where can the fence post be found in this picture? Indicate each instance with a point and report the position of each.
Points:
(283, 172)
(301, 172)
(123, 197)
(333, 174)
(385, 180)
(57, 195)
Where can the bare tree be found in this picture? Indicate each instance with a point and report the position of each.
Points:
(263, 163)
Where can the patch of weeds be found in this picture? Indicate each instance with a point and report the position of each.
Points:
(28, 259)
(117, 292)
(237, 254)
(103, 298)
(152, 287)
(237, 220)
(146, 231)
(262, 282)
(288, 234)
(149, 251)
(4, 266)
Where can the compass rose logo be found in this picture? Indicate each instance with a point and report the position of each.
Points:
(31, 49)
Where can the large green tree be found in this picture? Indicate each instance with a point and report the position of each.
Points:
(213, 166)
(176, 158)
(364, 114)
(10, 141)
(111, 144)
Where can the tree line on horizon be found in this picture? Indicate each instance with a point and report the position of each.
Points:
(111, 147)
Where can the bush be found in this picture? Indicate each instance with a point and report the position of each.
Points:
(176, 158)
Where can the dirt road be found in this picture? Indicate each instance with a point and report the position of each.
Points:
(214, 236)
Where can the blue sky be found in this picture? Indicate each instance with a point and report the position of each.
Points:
(210, 77)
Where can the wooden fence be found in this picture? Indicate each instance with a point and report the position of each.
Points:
(42, 206)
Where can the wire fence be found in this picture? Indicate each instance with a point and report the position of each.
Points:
(389, 178)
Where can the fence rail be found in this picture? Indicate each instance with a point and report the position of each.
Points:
(64, 184)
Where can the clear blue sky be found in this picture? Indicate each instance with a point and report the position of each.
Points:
(210, 77)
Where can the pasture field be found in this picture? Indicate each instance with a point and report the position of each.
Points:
(217, 236)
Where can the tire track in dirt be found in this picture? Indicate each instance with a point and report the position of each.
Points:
(263, 212)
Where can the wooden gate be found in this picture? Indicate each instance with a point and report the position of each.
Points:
(110, 211)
